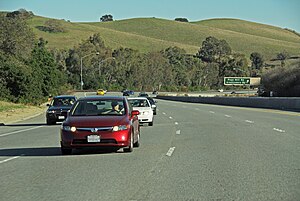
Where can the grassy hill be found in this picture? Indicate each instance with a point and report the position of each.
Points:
(153, 34)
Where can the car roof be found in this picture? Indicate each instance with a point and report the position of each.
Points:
(102, 98)
(139, 98)
(65, 96)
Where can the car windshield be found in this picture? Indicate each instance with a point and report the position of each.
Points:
(98, 108)
(64, 101)
(139, 103)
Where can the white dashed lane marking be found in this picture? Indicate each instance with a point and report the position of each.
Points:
(212, 112)
(170, 117)
(9, 159)
(176, 123)
(279, 130)
(250, 122)
(178, 132)
(170, 152)
(20, 131)
(228, 116)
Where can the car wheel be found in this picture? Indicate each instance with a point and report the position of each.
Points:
(151, 123)
(130, 147)
(49, 122)
(65, 151)
(137, 143)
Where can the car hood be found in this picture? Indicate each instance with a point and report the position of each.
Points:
(96, 121)
(60, 107)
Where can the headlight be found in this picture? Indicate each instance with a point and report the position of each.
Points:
(68, 128)
(51, 111)
(121, 127)
(146, 113)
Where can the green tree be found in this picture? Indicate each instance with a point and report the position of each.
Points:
(46, 72)
(180, 19)
(257, 60)
(20, 14)
(16, 38)
(90, 64)
(53, 26)
(213, 49)
(106, 18)
(282, 56)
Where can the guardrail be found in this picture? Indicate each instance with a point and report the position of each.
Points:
(281, 103)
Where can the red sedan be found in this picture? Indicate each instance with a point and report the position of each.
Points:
(100, 121)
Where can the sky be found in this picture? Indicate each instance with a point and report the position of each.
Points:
(281, 13)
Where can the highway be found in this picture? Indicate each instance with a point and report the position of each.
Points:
(193, 152)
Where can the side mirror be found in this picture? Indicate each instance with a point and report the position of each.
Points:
(48, 105)
(153, 106)
(135, 113)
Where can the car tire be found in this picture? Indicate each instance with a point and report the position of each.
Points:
(130, 147)
(137, 143)
(49, 122)
(66, 151)
(151, 123)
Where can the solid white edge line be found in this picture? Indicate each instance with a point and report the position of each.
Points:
(9, 159)
(170, 152)
(19, 131)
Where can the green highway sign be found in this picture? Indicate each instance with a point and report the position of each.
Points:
(236, 80)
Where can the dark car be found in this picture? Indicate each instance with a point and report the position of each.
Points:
(143, 94)
(128, 92)
(153, 104)
(58, 108)
(93, 122)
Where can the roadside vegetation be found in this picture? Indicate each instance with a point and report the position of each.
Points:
(33, 66)
(6, 106)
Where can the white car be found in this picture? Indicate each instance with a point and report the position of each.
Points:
(143, 105)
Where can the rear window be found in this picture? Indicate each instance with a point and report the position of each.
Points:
(63, 101)
(139, 102)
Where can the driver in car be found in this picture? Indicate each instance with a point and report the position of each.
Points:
(116, 107)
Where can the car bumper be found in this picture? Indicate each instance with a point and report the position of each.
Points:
(56, 117)
(145, 118)
(107, 139)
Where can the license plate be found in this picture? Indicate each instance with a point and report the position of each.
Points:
(93, 138)
(61, 117)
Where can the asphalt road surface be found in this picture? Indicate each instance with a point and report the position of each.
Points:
(192, 152)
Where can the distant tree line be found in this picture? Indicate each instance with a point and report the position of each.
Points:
(52, 26)
(106, 18)
(29, 72)
(181, 19)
